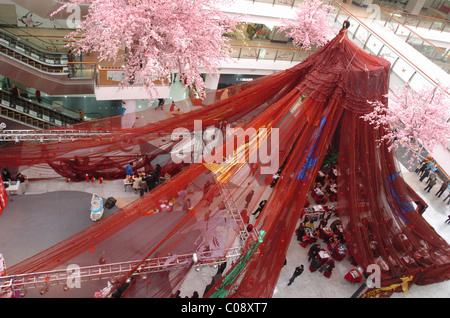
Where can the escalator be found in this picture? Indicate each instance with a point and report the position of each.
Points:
(30, 114)
(35, 67)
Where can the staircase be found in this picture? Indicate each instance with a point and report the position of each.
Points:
(35, 67)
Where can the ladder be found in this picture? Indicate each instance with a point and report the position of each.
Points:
(230, 205)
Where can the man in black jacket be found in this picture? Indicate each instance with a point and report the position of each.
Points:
(298, 271)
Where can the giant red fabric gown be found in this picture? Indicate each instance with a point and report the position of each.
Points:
(311, 106)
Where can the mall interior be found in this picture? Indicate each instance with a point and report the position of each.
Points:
(414, 35)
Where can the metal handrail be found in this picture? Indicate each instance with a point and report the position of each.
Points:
(425, 40)
(421, 18)
(386, 43)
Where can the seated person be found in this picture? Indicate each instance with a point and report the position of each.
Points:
(186, 205)
(323, 223)
(129, 169)
(20, 177)
(137, 183)
(6, 176)
(325, 233)
(300, 231)
(315, 265)
(339, 252)
(310, 236)
(329, 267)
(331, 241)
(310, 224)
(334, 225)
(313, 251)
(321, 176)
(318, 191)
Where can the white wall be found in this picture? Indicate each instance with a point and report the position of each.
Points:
(128, 93)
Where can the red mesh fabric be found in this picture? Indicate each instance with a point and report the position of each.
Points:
(314, 105)
(374, 203)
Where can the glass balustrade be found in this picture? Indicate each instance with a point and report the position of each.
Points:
(82, 70)
(403, 24)
(33, 40)
(24, 49)
(402, 70)
(269, 53)
(439, 55)
(415, 20)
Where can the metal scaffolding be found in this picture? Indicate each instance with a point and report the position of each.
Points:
(116, 271)
(59, 135)
(112, 272)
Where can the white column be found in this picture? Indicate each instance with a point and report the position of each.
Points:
(414, 6)
(128, 113)
(211, 81)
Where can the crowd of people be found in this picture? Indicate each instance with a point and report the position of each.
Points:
(144, 181)
(321, 224)
(427, 169)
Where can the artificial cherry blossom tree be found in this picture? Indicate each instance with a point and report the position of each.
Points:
(154, 38)
(311, 25)
(417, 118)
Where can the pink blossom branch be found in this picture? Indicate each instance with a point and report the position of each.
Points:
(417, 119)
(154, 38)
(311, 25)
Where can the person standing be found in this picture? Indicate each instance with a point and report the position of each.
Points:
(6, 84)
(15, 94)
(142, 185)
(448, 196)
(248, 198)
(38, 96)
(260, 207)
(430, 184)
(425, 174)
(129, 169)
(298, 271)
(71, 60)
(442, 189)
(81, 113)
(448, 220)
(421, 166)
(160, 104)
(432, 176)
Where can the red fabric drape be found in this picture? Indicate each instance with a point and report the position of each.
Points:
(313, 104)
